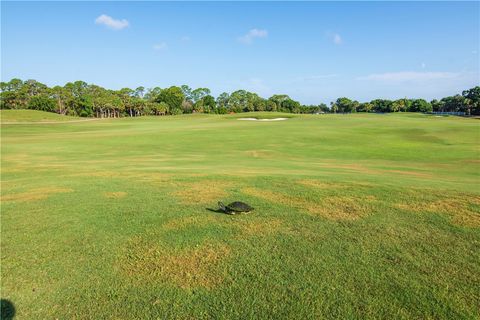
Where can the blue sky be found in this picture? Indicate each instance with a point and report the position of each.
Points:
(312, 51)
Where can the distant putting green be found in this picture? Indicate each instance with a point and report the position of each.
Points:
(356, 216)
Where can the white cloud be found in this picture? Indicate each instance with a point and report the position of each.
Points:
(160, 46)
(252, 34)
(337, 39)
(423, 65)
(409, 76)
(111, 23)
(185, 39)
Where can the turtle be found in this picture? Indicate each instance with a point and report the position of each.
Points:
(235, 207)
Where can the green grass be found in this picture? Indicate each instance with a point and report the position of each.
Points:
(357, 216)
(33, 116)
(262, 115)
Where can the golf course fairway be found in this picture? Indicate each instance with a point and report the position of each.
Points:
(356, 216)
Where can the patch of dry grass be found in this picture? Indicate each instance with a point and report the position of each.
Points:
(259, 227)
(115, 195)
(146, 176)
(334, 208)
(264, 154)
(317, 184)
(409, 173)
(185, 222)
(35, 194)
(373, 171)
(99, 174)
(197, 267)
(460, 208)
(343, 207)
(13, 169)
(202, 191)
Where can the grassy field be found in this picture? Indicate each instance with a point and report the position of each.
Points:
(8, 116)
(357, 216)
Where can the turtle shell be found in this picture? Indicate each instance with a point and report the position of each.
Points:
(239, 206)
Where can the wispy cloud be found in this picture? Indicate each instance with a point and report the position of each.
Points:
(335, 37)
(160, 46)
(112, 23)
(423, 65)
(252, 34)
(409, 76)
(185, 39)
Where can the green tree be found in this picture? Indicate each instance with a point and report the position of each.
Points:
(139, 92)
(365, 107)
(82, 99)
(453, 103)
(238, 101)
(187, 106)
(382, 105)
(13, 95)
(42, 103)
(209, 104)
(187, 92)
(222, 100)
(333, 107)
(127, 95)
(79, 100)
(345, 105)
(199, 94)
(271, 105)
(62, 97)
(83, 106)
(162, 108)
(198, 106)
(472, 100)
(323, 107)
(278, 100)
(34, 88)
(152, 94)
(173, 97)
(420, 105)
(290, 105)
(400, 105)
(260, 104)
(437, 106)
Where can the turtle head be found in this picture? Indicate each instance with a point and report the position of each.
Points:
(222, 206)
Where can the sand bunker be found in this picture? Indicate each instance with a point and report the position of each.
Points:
(255, 119)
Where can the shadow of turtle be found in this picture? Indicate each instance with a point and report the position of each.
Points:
(217, 211)
(7, 309)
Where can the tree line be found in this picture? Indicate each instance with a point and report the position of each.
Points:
(88, 100)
